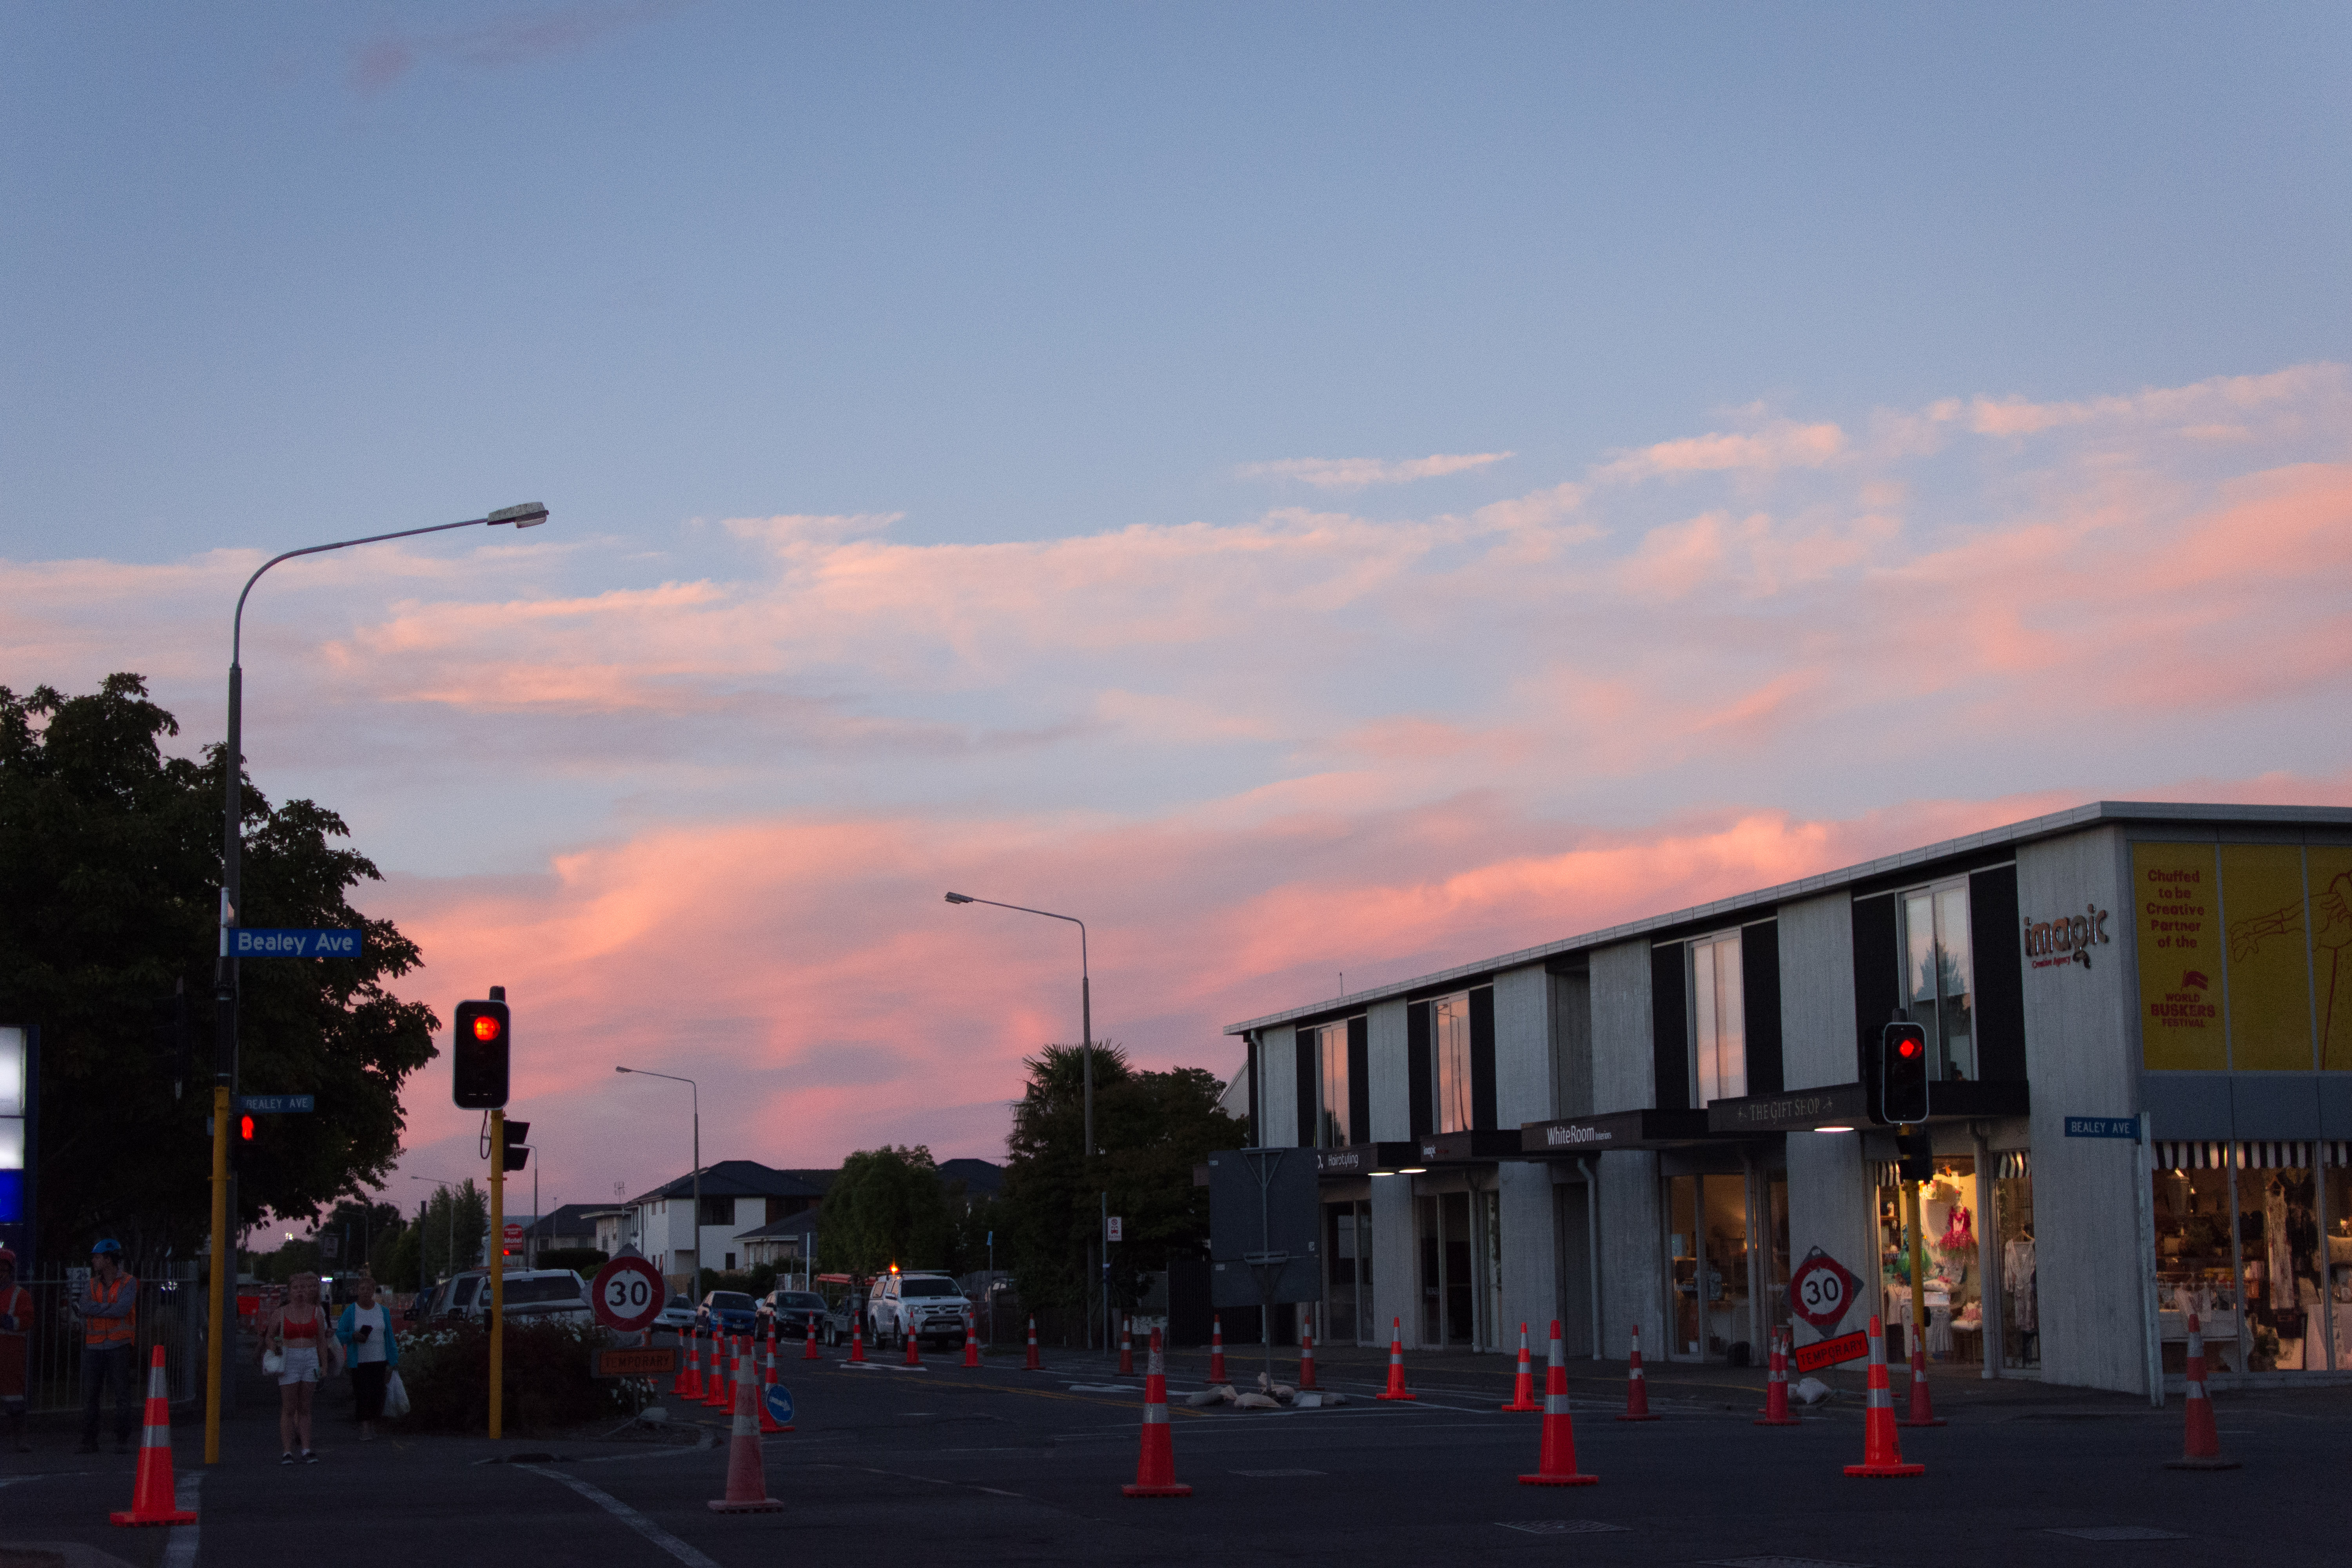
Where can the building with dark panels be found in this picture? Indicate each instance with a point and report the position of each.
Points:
(1654, 1125)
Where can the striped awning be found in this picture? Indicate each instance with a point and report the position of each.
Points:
(2251, 1154)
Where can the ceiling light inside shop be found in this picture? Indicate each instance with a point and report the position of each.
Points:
(1833, 1128)
(1410, 1170)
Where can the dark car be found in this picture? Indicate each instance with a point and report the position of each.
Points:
(794, 1314)
(727, 1312)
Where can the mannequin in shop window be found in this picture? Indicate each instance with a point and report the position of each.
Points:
(2017, 1273)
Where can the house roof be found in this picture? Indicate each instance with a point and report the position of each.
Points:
(742, 1179)
(2096, 812)
(802, 1224)
(571, 1219)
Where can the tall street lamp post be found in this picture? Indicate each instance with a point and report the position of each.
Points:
(1086, 1054)
(695, 1288)
(450, 1256)
(531, 515)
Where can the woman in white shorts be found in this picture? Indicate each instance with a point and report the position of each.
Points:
(298, 1331)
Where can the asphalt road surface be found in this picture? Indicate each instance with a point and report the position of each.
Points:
(950, 1464)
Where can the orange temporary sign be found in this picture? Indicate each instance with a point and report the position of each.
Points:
(646, 1362)
(1829, 1353)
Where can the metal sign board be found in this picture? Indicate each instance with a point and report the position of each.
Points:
(1829, 1353)
(260, 942)
(1821, 1290)
(626, 1294)
(2103, 1127)
(277, 1104)
(1117, 1229)
(1264, 1219)
(644, 1361)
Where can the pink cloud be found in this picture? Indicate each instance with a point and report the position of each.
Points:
(1782, 444)
(1354, 473)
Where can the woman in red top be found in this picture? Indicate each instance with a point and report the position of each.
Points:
(300, 1332)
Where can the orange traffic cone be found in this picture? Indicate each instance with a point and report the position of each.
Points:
(689, 1378)
(1923, 1409)
(1217, 1349)
(1637, 1387)
(1127, 1347)
(151, 1498)
(1523, 1391)
(746, 1482)
(1155, 1467)
(2200, 1448)
(970, 1342)
(914, 1348)
(1307, 1353)
(718, 1396)
(1776, 1391)
(1882, 1450)
(808, 1343)
(1033, 1364)
(1555, 1466)
(1396, 1389)
(769, 1425)
(856, 1346)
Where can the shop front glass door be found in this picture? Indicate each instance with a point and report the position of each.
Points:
(1706, 1252)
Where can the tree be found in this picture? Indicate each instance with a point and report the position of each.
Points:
(886, 1206)
(364, 1231)
(430, 1248)
(110, 872)
(1153, 1127)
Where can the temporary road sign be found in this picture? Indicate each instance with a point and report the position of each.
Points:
(1821, 1290)
(258, 943)
(275, 1104)
(644, 1361)
(2103, 1127)
(780, 1403)
(1829, 1353)
(626, 1294)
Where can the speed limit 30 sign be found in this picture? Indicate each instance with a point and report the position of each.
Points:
(626, 1295)
(1821, 1289)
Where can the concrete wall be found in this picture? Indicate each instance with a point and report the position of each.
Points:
(1623, 1075)
(1530, 1252)
(2083, 1060)
(1394, 1294)
(1817, 1023)
(1571, 1044)
(1391, 1096)
(1833, 1204)
(1632, 1246)
(1523, 1078)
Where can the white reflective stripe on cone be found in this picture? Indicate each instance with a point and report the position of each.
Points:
(1155, 1414)
(1554, 1403)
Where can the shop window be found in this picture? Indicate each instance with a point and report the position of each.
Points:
(2020, 1305)
(1332, 1130)
(1719, 1019)
(1449, 1022)
(1348, 1298)
(2252, 1237)
(1952, 1299)
(1448, 1292)
(1708, 1243)
(1938, 974)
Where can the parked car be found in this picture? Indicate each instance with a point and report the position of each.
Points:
(792, 1314)
(727, 1312)
(926, 1307)
(677, 1312)
(530, 1293)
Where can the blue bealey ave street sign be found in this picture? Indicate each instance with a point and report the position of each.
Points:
(2103, 1127)
(275, 1104)
(263, 942)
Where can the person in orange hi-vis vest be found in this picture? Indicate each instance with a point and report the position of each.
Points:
(108, 1305)
(16, 1334)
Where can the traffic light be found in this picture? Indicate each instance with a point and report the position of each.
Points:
(517, 1155)
(483, 1035)
(1902, 1073)
(244, 1129)
(1914, 1159)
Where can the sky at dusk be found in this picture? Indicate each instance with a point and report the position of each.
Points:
(1307, 489)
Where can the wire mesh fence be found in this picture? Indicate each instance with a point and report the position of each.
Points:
(171, 1313)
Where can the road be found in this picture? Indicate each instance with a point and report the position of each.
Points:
(946, 1464)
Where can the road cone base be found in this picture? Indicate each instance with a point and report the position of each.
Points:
(765, 1505)
(1641, 1418)
(131, 1520)
(1520, 1404)
(1776, 1420)
(1178, 1489)
(1882, 1472)
(2181, 1464)
(1560, 1481)
(1395, 1396)
(1931, 1421)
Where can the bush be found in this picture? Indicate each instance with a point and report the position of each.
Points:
(446, 1371)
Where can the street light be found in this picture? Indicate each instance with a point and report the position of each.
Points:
(696, 1288)
(530, 514)
(450, 1256)
(1086, 1054)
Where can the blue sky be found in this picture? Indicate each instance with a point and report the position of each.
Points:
(1305, 488)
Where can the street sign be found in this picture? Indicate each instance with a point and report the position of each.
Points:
(626, 1294)
(1829, 1353)
(1821, 1290)
(330, 1246)
(275, 1104)
(644, 1361)
(1117, 1229)
(258, 943)
(513, 1234)
(780, 1402)
(2103, 1127)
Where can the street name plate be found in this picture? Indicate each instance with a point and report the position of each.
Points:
(264, 942)
(2103, 1127)
(277, 1104)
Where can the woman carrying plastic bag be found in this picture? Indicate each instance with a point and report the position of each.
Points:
(373, 1351)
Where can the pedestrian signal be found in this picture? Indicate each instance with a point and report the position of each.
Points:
(244, 1128)
(517, 1156)
(1903, 1073)
(483, 1033)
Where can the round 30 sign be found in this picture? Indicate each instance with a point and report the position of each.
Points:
(626, 1295)
(1821, 1290)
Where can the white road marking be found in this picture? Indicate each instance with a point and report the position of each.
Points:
(180, 1540)
(626, 1515)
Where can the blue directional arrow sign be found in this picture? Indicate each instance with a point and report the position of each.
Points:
(780, 1403)
(275, 1104)
(263, 942)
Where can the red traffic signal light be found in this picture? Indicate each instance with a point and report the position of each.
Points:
(1903, 1074)
(488, 1027)
(244, 1128)
(483, 1033)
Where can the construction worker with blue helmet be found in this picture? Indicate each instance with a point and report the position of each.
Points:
(108, 1305)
